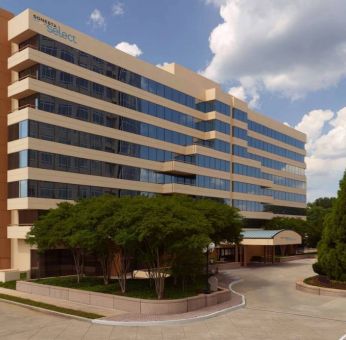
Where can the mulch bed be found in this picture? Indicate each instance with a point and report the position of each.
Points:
(322, 281)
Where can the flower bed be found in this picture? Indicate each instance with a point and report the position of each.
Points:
(321, 281)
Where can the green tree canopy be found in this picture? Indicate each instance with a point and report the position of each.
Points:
(169, 232)
(168, 227)
(296, 224)
(332, 247)
(60, 228)
(316, 213)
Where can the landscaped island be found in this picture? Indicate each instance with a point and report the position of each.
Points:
(136, 288)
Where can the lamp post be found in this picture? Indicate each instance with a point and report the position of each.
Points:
(206, 250)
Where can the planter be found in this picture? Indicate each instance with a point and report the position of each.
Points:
(127, 304)
(304, 287)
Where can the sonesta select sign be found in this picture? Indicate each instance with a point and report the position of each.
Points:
(53, 28)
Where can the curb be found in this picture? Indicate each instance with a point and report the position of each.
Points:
(177, 321)
(47, 311)
(317, 290)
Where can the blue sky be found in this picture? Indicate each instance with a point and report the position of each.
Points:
(285, 57)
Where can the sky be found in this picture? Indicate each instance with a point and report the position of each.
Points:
(286, 58)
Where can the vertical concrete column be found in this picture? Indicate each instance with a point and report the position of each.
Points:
(245, 255)
(265, 254)
(5, 108)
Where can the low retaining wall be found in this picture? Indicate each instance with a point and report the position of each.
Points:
(224, 265)
(295, 257)
(133, 305)
(304, 287)
(9, 275)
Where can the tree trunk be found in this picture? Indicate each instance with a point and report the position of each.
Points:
(121, 268)
(78, 258)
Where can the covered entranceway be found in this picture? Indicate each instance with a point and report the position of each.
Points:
(264, 245)
(260, 246)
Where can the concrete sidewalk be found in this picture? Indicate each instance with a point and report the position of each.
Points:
(63, 303)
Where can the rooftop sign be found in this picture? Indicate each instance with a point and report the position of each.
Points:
(53, 28)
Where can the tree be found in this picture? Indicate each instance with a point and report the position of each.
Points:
(92, 216)
(123, 222)
(316, 213)
(296, 224)
(168, 227)
(324, 202)
(226, 222)
(332, 247)
(59, 228)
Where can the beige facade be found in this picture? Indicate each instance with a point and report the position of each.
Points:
(28, 60)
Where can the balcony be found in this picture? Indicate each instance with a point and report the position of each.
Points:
(22, 59)
(179, 168)
(23, 87)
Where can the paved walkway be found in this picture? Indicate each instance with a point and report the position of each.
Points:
(62, 303)
(275, 310)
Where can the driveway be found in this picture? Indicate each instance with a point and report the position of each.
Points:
(275, 310)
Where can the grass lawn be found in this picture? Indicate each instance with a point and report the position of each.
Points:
(8, 284)
(12, 284)
(316, 281)
(138, 288)
(50, 307)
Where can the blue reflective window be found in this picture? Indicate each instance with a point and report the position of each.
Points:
(23, 188)
(23, 159)
(23, 129)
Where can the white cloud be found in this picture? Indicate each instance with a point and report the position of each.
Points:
(128, 48)
(97, 19)
(246, 92)
(326, 150)
(289, 47)
(312, 124)
(238, 91)
(162, 65)
(118, 8)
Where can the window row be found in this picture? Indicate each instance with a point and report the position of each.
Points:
(250, 171)
(278, 150)
(86, 140)
(215, 144)
(268, 147)
(248, 205)
(264, 130)
(34, 129)
(90, 62)
(51, 161)
(204, 161)
(95, 116)
(246, 170)
(267, 162)
(63, 191)
(284, 181)
(288, 196)
(252, 189)
(260, 207)
(80, 85)
(213, 125)
(214, 105)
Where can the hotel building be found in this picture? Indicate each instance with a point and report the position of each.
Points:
(80, 118)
